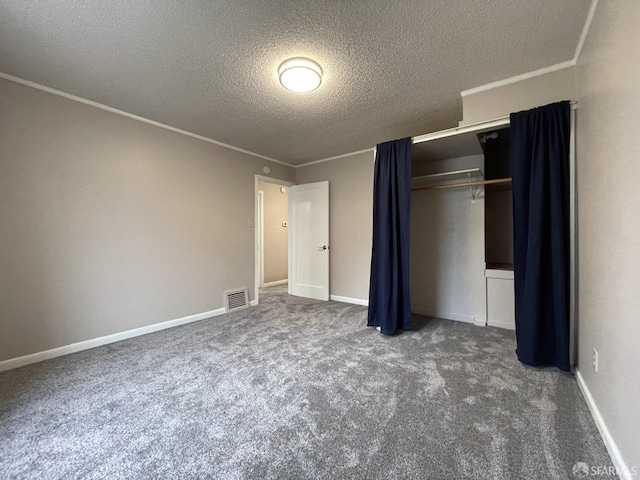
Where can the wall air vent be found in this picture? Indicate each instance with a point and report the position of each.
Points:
(237, 299)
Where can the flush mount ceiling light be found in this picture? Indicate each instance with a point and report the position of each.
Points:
(300, 75)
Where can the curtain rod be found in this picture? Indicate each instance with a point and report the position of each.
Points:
(471, 127)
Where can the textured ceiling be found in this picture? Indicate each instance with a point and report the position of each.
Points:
(391, 69)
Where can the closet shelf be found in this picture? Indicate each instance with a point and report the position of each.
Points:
(435, 181)
(464, 184)
(453, 175)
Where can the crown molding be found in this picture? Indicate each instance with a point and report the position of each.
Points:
(519, 78)
(336, 157)
(585, 29)
(122, 113)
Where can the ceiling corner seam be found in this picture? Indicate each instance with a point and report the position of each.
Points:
(585, 30)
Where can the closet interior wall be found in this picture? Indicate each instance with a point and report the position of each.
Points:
(447, 246)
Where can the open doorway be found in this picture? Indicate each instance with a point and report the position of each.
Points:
(272, 239)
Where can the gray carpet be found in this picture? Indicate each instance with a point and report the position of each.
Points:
(296, 389)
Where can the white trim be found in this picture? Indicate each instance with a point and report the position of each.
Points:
(585, 30)
(612, 448)
(573, 260)
(503, 325)
(277, 282)
(98, 342)
(472, 127)
(259, 225)
(107, 108)
(480, 321)
(277, 181)
(495, 273)
(355, 301)
(456, 317)
(335, 158)
(478, 127)
(519, 78)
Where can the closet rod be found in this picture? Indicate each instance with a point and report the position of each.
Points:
(465, 184)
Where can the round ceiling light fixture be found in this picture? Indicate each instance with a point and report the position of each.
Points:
(300, 75)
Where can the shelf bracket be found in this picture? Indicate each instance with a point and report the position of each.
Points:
(473, 190)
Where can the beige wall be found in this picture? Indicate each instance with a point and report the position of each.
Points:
(533, 92)
(276, 242)
(110, 224)
(608, 76)
(605, 82)
(350, 220)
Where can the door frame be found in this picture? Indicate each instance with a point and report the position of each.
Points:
(260, 229)
(257, 256)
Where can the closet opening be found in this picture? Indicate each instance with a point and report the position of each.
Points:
(462, 225)
(462, 228)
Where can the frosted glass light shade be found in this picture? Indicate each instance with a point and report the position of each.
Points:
(300, 75)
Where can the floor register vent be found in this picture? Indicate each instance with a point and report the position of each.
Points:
(237, 299)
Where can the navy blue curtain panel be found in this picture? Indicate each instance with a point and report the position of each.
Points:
(540, 172)
(389, 305)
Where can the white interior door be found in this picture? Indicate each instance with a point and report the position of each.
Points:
(309, 240)
(260, 227)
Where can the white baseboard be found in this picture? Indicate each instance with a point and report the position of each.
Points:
(98, 342)
(505, 325)
(355, 301)
(612, 448)
(277, 282)
(458, 317)
(480, 321)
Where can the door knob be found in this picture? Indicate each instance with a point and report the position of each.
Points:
(324, 247)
